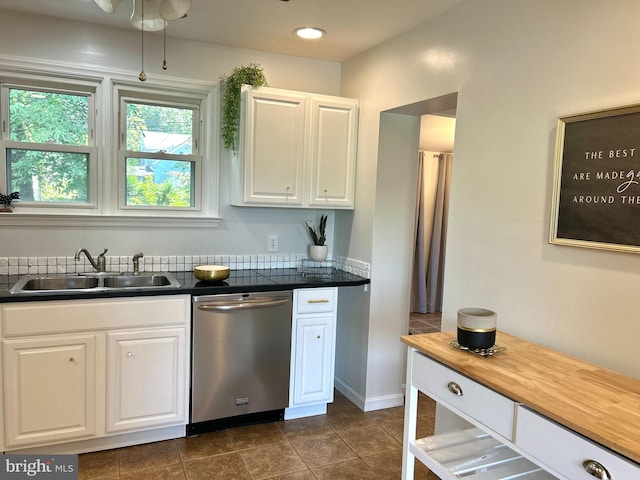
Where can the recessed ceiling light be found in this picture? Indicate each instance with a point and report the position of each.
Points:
(309, 33)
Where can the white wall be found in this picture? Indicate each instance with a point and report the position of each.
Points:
(517, 65)
(352, 342)
(243, 230)
(88, 44)
(437, 133)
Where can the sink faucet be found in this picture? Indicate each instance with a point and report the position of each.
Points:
(99, 265)
(136, 263)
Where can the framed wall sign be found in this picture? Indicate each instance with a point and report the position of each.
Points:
(596, 191)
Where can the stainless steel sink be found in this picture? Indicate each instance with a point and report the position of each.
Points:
(133, 281)
(30, 284)
(59, 283)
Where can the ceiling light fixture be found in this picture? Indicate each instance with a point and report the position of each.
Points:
(146, 13)
(174, 9)
(309, 33)
(151, 16)
(108, 6)
(157, 12)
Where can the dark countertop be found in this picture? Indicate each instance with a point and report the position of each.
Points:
(238, 281)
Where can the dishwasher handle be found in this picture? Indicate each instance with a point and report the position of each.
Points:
(227, 307)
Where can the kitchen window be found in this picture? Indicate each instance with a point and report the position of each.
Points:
(159, 161)
(48, 141)
(93, 149)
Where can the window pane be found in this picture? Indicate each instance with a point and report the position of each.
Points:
(46, 117)
(153, 128)
(159, 183)
(42, 176)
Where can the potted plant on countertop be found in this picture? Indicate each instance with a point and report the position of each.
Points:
(318, 251)
(252, 74)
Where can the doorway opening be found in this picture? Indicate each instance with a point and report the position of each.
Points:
(437, 131)
(435, 162)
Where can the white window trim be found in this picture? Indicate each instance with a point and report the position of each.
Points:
(125, 95)
(82, 87)
(106, 212)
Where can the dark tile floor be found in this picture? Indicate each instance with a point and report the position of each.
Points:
(424, 322)
(344, 444)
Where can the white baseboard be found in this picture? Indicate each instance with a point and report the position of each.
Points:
(386, 401)
(368, 404)
(349, 392)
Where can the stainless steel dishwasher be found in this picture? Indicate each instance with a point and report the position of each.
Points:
(241, 358)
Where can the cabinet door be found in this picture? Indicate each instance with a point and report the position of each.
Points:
(146, 379)
(50, 388)
(314, 345)
(334, 126)
(273, 147)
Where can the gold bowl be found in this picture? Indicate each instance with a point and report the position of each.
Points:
(211, 273)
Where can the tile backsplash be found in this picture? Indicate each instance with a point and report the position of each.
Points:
(173, 263)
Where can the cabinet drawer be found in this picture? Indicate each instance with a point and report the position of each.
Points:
(316, 300)
(565, 451)
(62, 316)
(473, 401)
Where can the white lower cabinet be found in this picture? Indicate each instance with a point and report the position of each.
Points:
(312, 351)
(91, 370)
(145, 375)
(313, 380)
(508, 440)
(50, 389)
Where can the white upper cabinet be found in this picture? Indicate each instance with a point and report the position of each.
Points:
(273, 141)
(296, 150)
(334, 127)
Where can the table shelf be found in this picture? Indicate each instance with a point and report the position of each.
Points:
(474, 455)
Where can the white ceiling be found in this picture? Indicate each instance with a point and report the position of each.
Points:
(352, 26)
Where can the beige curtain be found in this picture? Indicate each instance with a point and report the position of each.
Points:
(434, 178)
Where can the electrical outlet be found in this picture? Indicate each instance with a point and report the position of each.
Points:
(272, 245)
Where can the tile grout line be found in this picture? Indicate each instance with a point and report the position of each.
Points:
(332, 418)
